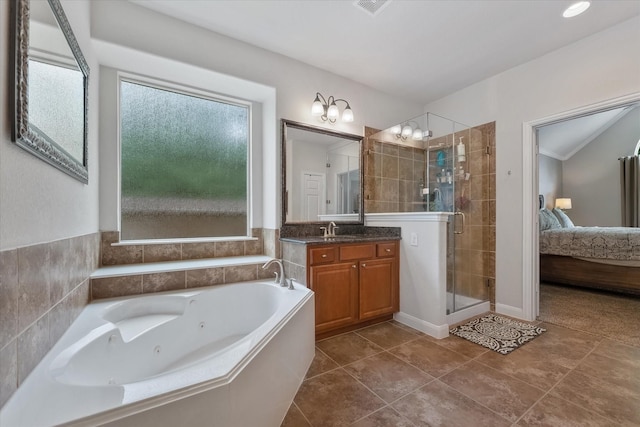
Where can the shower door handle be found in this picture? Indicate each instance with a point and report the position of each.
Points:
(455, 230)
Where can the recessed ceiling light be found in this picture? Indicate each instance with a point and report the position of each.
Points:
(576, 9)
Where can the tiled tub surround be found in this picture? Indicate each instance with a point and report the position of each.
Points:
(43, 288)
(114, 252)
(136, 279)
(193, 357)
(138, 267)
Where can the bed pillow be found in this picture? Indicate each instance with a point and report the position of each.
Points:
(548, 221)
(565, 221)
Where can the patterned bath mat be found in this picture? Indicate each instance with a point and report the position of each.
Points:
(497, 333)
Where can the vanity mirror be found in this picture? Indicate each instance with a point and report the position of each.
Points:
(321, 175)
(50, 87)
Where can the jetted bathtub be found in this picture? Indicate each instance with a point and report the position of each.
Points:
(230, 355)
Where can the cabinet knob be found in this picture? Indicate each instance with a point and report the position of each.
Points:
(388, 250)
(364, 265)
(353, 266)
(324, 255)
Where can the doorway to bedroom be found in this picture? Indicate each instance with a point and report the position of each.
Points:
(577, 177)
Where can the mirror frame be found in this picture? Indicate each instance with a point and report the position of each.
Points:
(22, 133)
(284, 124)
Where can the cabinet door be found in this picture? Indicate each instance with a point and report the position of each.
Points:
(336, 294)
(378, 288)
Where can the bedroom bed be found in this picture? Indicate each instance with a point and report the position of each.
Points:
(598, 257)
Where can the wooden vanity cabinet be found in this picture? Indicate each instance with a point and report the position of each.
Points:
(354, 284)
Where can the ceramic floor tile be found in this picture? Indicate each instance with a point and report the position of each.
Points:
(321, 363)
(387, 376)
(387, 335)
(348, 348)
(501, 393)
(385, 417)
(294, 418)
(551, 411)
(527, 365)
(407, 328)
(609, 400)
(429, 357)
(439, 405)
(462, 346)
(566, 346)
(335, 398)
(622, 373)
(619, 351)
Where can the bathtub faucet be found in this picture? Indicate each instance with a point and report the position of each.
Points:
(280, 279)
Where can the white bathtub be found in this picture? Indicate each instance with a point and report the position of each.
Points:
(231, 355)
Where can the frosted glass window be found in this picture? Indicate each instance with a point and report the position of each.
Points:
(56, 105)
(183, 165)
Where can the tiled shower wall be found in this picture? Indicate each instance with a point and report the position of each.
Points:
(43, 288)
(476, 247)
(393, 176)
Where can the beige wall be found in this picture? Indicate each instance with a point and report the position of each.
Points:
(597, 68)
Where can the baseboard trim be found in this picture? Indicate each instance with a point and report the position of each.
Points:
(436, 331)
(511, 311)
(467, 313)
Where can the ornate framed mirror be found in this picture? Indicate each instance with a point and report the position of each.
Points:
(321, 175)
(50, 91)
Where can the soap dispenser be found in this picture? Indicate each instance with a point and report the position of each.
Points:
(461, 151)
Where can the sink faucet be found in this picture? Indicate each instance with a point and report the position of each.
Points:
(280, 279)
(330, 230)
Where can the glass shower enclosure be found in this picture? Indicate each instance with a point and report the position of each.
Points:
(433, 164)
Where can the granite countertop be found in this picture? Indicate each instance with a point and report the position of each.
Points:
(353, 238)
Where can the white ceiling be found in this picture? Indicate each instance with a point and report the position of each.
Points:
(418, 50)
(562, 140)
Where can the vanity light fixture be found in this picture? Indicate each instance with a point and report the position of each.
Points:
(576, 9)
(328, 110)
(405, 130)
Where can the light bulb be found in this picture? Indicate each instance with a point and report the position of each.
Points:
(406, 131)
(333, 113)
(347, 115)
(317, 109)
(417, 134)
(395, 130)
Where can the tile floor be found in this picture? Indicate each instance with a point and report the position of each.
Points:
(391, 375)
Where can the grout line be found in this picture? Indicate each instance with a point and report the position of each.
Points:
(475, 401)
(301, 413)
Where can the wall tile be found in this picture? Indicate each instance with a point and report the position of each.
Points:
(405, 152)
(390, 189)
(158, 282)
(118, 255)
(253, 247)
(33, 344)
(116, 286)
(205, 277)
(419, 155)
(159, 253)
(390, 167)
(294, 253)
(8, 371)
(8, 296)
(405, 169)
(33, 283)
(225, 249)
(198, 250)
(61, 266)
(390, 149)
(59, 319)
(240, 273)
(79, 298)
